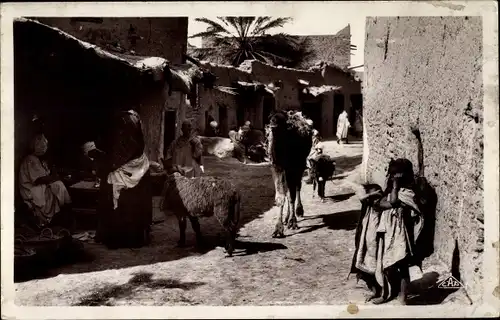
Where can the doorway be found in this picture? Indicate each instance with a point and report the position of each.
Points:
(357, 105)
(338, 107)
(312, 110)
(240, 114)
(223, 125)
(268, 107)
(169, 130)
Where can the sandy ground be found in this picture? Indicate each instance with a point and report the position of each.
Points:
(309, 266)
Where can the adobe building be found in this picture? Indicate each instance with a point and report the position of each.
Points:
(427, 72)
(254, 90)
(146, 37)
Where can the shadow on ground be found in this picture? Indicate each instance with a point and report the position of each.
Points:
(347, 163)
(340, 197)
(345, 220)
(427, 291)
(249, 248)
(257, 190)
(141, 280)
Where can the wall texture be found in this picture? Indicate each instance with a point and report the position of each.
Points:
(427, 72)
(158, 37)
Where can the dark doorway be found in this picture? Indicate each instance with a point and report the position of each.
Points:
(169, 130)
(268, 109)
(338, 107)
(357, 105)
(312, 110)
(240, 114)
(223, 125)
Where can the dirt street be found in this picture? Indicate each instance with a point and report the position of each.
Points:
(309, 266)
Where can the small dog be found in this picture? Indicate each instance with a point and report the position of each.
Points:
(322, 169)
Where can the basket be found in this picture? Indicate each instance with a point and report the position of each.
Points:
(46, 242)
(23, 256)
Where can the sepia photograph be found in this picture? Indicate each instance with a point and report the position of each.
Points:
(263, 154)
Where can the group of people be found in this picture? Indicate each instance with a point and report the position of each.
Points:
(385, 239)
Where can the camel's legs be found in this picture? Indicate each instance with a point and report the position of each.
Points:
(299, 211)
(279, 231)
(292, 223)
(281, 191)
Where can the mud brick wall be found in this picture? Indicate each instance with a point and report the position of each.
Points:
(427, 72)
(158, 37)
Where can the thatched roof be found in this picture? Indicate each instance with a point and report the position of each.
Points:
(140, 63)
(257, 86)
(316, 91)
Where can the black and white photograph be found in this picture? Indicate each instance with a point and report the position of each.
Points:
(341, 157)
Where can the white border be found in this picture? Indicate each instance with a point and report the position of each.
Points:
(487, 9)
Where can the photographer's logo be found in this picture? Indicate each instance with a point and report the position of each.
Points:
(450, 283)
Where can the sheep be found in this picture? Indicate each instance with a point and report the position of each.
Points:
(200, 197)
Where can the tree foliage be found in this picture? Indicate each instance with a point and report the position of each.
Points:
(236, 39)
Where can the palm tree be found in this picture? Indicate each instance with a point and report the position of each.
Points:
(236, 39)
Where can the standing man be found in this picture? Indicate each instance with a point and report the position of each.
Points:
(186, 152)
(343, 126)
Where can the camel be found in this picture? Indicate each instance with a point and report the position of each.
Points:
(289, 142)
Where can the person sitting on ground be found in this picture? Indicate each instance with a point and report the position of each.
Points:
(42, 190)
(239, 148)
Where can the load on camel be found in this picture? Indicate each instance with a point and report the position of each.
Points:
(289, 142)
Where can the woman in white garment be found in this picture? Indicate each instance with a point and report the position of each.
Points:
(186, 152)
(43, 191)
(343, 126)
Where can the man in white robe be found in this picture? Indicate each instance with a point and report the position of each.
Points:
(343, 126)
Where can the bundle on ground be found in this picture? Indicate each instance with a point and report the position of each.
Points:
(205, 196)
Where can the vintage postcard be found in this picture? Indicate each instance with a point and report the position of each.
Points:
(250, 159)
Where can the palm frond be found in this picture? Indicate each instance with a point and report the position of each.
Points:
(275, 23)
(213, 25)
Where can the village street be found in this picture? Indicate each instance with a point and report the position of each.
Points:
(309, 266)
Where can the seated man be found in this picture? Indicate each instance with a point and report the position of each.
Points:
(43, 192)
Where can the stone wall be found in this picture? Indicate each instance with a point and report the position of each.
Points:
(427, 72)
(158, 37)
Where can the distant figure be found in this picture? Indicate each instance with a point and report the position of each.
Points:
(213, 129)
(358, 123)
(42, 190)
(239, 148)
(186, 152)
(343, 126)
